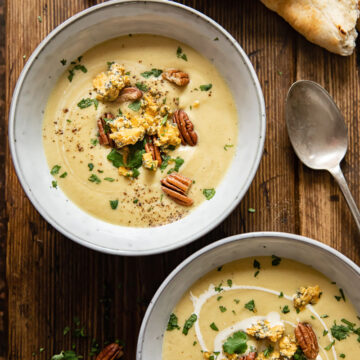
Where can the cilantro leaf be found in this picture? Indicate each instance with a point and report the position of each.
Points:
(135, 105)
(152, 72)
(339, 332)
(116, 158)
(250, 305)
(206, 87)
(173, 323)
(189, 323)
(141, 86)
(209, 193)
(85, 103)
(55, 169)
(93, 178)
(236, 344)
(275, 260)
(114, 204)
(214, 327)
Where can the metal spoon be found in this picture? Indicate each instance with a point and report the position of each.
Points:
(318, 133)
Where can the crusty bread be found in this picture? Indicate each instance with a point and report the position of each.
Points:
(328, 23)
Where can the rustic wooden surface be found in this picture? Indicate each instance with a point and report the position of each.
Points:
(50, 280)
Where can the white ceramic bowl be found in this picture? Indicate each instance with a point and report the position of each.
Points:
(323, 258)
(73, 38)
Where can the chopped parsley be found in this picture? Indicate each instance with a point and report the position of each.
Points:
(256, 264)
(330, 345)
(237, 301)
(63, 62)
(251, 210)
(141, 86)
(135, 201)
(281, 294)
(173, 323)
(152, 72)
(206, 87)
(325, 332)
(114, 204)
(189, 323)
(299, 355)
(178, 162)
(76, 66)
(219, 298)
(236, 344)
(194, 343)
(216, 39)
(250, 306)
(222, 308)
(55, 169)
(109, 179)
(116, 158)
(85, 103)
(219, 268)
(324, 316)
(93, 178)
(268, 351)
(66, 355)
(285, 309)
(93, 141)
(275, 260)
(54, 184)
(342, 356)
(90, 166)
(229, 282)
(339, 332)
(313, 317)
(66, 330)
(180, 54)
(209, 193)
(39, 19)
(256, 273)
(218, 288)
(135, 105)
(109, 63)
(214, 327)
(164, 120)
(63, 175)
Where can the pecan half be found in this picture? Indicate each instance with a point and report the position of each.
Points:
(176, 187)
(150, 147)
(186, 128)
(307, 340)
(104, 138)
(129, 94)
(177, 77)
(249, 356)
(111, 352)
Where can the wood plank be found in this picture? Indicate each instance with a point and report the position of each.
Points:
(51, 280)
(323, 210)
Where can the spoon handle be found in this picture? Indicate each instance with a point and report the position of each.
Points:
(339, 177)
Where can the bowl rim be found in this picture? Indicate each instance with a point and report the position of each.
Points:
(219, 243)
(26, 187)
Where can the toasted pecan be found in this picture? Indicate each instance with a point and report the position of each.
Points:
(104, 138)
(150, 147)
(176, 187)
(111, 352)
(129, 94)
(177, 77)
(307, 340)
(186, 128)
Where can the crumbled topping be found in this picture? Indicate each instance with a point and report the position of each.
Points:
(287, 346)
(262, 330)
(306, 295)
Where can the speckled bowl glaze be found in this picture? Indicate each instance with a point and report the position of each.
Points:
(74, 37)
(323, 258)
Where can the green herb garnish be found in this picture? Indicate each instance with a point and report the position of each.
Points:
(135, 105)
(114, 204)
(236, 344)
(189, 323)
(229, 282)
(256, 264)
(109, 179)
(206, 87)
(76, 66)
(63, 62)
(180, 54)
(222, 308)
(250, 306)
(152, 72)
(85, 103)
(54, 184)
(178, 162)
(275, 260)
(55, 169)
(173, 323)
(268, 351)
(285, 309)
(209, 193)
(90, 166)
(330, 345)
(93, 178)
(141, 86)
(214, 327)
(63, 175)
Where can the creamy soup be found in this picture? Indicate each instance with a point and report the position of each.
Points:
(129, 194)
(254, 309)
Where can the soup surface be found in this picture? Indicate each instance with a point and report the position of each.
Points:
(253, 307)
(133, 195)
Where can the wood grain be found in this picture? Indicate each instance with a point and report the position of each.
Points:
(51, 280)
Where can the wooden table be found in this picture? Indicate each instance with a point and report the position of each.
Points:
(51, 280)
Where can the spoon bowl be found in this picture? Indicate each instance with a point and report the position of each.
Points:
(318, 133)
(315, 125)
